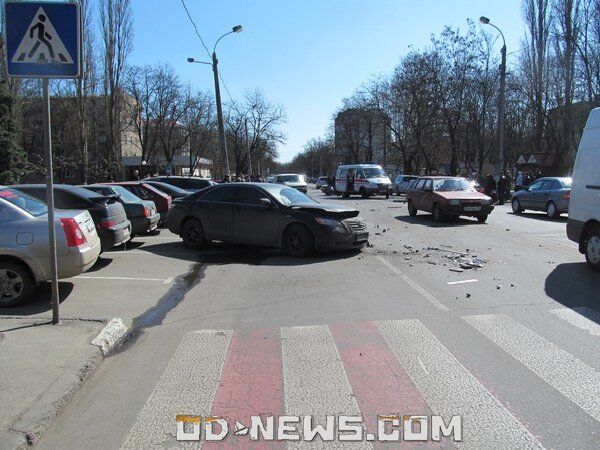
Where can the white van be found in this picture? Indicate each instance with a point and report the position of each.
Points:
(369, 179)
(583, 225)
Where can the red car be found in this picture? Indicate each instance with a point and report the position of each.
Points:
(448, 197)
(147, 192)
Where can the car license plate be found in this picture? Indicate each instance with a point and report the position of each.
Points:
(361, 236)
(472, 208)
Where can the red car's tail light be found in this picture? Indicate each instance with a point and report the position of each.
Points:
(73, 233)
(147, 212)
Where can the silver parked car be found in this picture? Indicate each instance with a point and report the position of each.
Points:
(24, 255)
(402, 182)
(550, 194)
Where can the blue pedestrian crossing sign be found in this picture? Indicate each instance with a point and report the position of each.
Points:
(43, 39)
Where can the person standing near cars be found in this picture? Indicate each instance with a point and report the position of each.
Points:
(501, 188)
(519, 180)
(490, 186)
(350, 182)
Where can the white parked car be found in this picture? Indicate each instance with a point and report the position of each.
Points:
(320, 182)
(24, 253)
(292, 180)
(583, 225)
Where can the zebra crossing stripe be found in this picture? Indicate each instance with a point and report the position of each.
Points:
(314, 379)
(570, 376)
(187, 386)
(583, 318)
(450, 389)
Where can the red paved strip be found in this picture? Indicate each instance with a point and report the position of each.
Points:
(379, 383)
(251, 384)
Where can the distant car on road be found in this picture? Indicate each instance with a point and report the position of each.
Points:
(109, 215)
(269, 215)
(402, 182)
(292, 180)
(141, 213)
(24, 256)
(448, 197)
(320, 182)
(192, 184)
(550, 194)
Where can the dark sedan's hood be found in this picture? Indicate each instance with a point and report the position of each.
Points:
(327, 210)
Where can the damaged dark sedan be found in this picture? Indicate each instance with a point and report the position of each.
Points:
(268, 215)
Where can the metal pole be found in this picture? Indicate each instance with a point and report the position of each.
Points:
(501, 110)
(248, 146)
(50, 202)
(223, 142)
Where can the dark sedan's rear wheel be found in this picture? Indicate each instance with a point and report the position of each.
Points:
(482, 219)
(299, 241)
(516, 206)
(16, 283)
(192, 234)
(412, 211)
(438, 216)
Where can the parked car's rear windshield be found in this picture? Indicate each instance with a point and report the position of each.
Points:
(290, 179)
(451, 184)
(21, 200)
(126, 196)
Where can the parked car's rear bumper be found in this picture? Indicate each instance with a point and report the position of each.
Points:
(574, 229)
(140, 225)
(76, 261)
(459, 210)
(113, 236)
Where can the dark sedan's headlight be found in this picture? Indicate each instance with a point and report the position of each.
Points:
(332, 223)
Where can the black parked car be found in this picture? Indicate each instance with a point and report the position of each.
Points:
(270, 215)
(141, 213)
(170, 189)
(106, 211)
(192, 184)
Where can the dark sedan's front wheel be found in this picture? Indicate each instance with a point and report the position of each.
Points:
(299, 241)
(192, 234)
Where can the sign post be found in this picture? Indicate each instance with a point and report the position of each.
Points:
(43, 40)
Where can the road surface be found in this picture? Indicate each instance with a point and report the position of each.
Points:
(511, 347)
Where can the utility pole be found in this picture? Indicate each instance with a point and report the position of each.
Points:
(502, 110)
(248, 146)
(222, 141)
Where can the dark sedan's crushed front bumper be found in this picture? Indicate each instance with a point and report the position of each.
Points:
(352, 234)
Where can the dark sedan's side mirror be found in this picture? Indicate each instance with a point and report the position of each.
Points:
(266, 202)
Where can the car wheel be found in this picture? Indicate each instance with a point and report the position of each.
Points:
(192, 234)
(412, 211)
(346, 195)
(299, 241)
(16, 284)
(482, 219)
(552, 211)
(592, 249)
(516, 206)
(437, 213)
(363, 193)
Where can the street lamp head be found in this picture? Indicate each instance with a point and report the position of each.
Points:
(191, 60)
(237, 29)
(484, 20)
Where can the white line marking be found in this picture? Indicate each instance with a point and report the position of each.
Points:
(168, 280)
(314, 379)
(462, 282)
(145, 253)
(583, 318)
(413, 284)
(451, 389)
(423, 366)
(188, 385)
(570, 376)
(160, 280)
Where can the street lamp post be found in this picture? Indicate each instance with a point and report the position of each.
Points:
(215, 63)
(501, 97)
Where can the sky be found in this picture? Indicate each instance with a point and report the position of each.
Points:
(305, 54)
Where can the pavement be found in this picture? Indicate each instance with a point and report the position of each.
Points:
(231, 331)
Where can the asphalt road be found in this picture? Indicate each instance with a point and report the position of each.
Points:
(511, 346)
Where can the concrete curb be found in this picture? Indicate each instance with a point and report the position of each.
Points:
(27, 429)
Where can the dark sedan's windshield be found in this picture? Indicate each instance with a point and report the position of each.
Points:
(288, 196)
(451, 184)
(28, 204)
